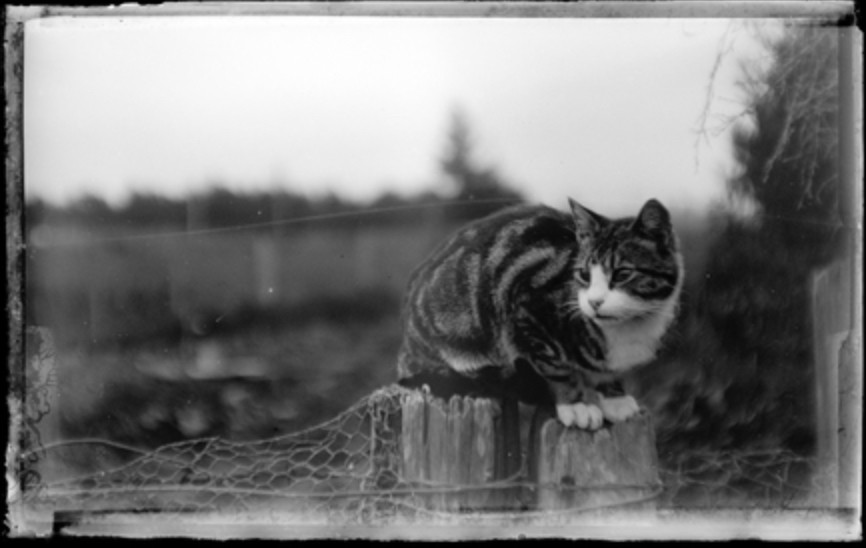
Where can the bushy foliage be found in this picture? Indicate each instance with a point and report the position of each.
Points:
(744, 374)
(790, 152)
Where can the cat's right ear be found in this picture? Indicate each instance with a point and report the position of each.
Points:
(654, 221)
(586, 222)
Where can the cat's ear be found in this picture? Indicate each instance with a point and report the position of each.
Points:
(586, 222)
(654, 221)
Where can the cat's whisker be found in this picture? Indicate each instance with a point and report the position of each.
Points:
(572, 308)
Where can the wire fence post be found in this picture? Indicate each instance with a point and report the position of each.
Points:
(450, 450)
(615, 465)
(509, 453)
(838, 387)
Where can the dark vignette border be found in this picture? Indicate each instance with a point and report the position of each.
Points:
(833, 13)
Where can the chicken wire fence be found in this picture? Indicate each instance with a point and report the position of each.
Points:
(776, 478)
(350, 467)
(346, 464)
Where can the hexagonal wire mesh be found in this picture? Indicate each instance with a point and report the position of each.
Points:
(344, 465)
(348, 468)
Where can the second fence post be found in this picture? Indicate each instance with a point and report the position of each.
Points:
(616, 465)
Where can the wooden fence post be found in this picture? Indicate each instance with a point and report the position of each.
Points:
(839, 389)
(451, 447)
(509, 456)
(581, 469)
(266, 270)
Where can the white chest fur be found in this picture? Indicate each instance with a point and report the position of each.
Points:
(634, 343)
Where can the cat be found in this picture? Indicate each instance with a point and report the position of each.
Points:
(547, 306)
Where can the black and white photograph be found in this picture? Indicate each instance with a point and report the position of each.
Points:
(435, 270)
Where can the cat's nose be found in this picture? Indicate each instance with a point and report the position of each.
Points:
(595, 303)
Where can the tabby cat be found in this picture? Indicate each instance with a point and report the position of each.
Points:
(547, 306)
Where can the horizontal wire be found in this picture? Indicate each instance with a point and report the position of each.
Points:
(281, 222)
(839, 226)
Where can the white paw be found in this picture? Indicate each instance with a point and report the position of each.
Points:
(619, 409)
(582, 415)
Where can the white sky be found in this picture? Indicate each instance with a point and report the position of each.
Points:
(604, 110)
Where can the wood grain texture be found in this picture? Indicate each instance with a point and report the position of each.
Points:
(482, 450)
(581, 469)
(838, 389)
(451, 445)
(414, 443)
(467, 442)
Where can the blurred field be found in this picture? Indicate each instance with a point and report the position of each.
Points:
(242, 335)
(131, 290)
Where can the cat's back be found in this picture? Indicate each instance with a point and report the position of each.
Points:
(489, 245)
(468, 283)
(459, 299)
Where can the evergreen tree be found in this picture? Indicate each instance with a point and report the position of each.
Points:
(472, 182)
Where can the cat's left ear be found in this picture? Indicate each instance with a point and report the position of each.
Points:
(586, 222)
(654, 221)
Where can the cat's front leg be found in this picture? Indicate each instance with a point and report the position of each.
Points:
(615, 404)
(536, 341)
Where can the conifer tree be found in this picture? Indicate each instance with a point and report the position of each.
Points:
(472, 182)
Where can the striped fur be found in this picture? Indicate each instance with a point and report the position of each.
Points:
(570, 299)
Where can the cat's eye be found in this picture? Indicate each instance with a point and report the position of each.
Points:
(622, 275)
(582, 275)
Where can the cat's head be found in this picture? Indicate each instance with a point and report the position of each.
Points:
(626, 269)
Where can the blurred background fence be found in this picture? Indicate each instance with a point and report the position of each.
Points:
(134, 290)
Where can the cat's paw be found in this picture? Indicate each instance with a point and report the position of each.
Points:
(619, 409)
(582, 415)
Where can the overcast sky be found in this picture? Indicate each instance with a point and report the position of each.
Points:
(604, 110)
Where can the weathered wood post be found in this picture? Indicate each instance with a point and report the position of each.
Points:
(838, 387)
(266, 270)
(453, 450)
(615, 465)
(509, 454)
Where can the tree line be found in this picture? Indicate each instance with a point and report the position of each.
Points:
(470, 190)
